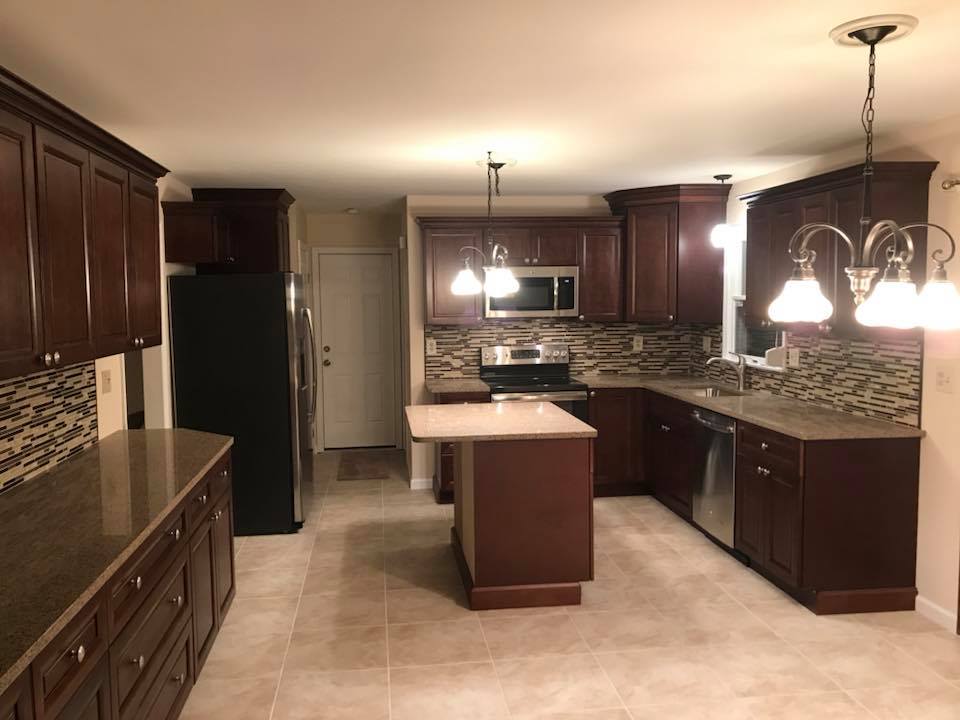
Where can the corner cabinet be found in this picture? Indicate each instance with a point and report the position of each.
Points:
(594, 244)
(673, 274)
(900, 193)
(76, 240)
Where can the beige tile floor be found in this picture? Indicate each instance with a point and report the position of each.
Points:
(361, 615)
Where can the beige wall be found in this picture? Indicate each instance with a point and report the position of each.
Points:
(360, 230)
(938, 542)
(420, 455)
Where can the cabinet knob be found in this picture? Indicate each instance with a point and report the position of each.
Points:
(175, 534)
(593, 393)
(140, 661)
(222, 473)
(327, 363)
(80, 653)
(527, 260)
(137, 582)
(326, 348)
(179, 679)
(202, 499)
(761, 470)
(825, 328)
(178, 601)
(56, 357)
(231, 259)
(665, 428)
(580, 317)
(536, 260)
(216, 516)
(48, 359)
(764, 446)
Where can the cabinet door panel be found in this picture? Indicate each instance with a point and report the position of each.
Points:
(783, 525)
(223, 554)
(92, 701)
(599, 255)
(652, 263)
(555, 246)
(191, 233)
(63, 182)
(611, 414)
(751, 501)
(145, 261)
(758, 287)
(811, 209)
(518, 243)
(785, 219)
(109, 189)
(203, 588)
(20, 322)
(443, 261)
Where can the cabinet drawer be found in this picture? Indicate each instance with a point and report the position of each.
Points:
(220, 477)
(172, 684)
(143, 571)
(62, 666)
(136, 655)
(92, 700)
(769, 444)
(462, 397)
(16, 702)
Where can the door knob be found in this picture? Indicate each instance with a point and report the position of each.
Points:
(326, 348)
(327, 363)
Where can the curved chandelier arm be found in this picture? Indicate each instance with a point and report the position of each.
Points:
(937, 255)
(498, 254)
(802, 255)
(884, 231)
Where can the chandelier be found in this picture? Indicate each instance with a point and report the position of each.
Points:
(499, 280)
(894, 301)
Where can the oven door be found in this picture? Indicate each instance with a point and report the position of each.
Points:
(574, 402)
(544, 292)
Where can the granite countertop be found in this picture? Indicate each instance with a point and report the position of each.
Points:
(456, 385)
(796, 418)
(66, 532)
(494, 421)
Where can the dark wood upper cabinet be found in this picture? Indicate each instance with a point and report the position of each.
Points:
(554, 246)
(63, 211)
(144, 268)
(775, 214)
(673, 273)
(600, 257)
(441, 251)
(110, 191)
(21, 342)
(516, 241)
(230, 230)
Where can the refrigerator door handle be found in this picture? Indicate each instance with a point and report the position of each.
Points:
(308, 317)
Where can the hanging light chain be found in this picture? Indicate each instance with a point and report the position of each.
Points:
(866, 119)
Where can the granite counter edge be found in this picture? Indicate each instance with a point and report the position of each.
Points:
(11, 674)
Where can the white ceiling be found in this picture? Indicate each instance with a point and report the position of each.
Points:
(357, 102)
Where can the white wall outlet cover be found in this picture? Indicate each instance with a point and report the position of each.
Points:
(431, 346)
(705, 343)
(638, 343)
(793, 357)
(106, 382)
(943, 377)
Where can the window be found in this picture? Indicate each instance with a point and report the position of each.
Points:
(752, 343)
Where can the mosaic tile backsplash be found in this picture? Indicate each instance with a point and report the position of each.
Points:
(44, 419)
(871, 379)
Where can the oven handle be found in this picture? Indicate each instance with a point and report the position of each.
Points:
(538, 397)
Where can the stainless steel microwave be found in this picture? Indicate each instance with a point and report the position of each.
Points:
(545, 291)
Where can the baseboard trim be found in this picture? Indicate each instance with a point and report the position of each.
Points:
(933, 612)
(421, 483)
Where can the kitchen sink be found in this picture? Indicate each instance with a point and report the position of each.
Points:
(712, 391)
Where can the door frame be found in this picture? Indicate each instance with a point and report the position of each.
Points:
(316, 255)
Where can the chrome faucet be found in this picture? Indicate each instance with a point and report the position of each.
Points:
(740, 366)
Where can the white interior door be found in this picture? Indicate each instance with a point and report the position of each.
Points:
(357, 350)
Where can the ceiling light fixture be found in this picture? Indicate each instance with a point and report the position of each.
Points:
(894, 302)
(723, 233)
(499, 280)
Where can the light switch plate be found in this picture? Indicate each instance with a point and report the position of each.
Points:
(638, 343)
(431, 346)
(793, 357)
(106, 382)
(705, 343)
(943, 380)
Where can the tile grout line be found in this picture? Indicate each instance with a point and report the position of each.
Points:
(493, 663)
(386, 612)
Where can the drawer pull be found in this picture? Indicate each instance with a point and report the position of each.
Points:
(80, 653)
(175, 534)
(665, 428)
(137, 582)
(222, 473)
(179, 679)
(764, 446)
(761, 470)
(202, 499)
(140, 662)
(178, 601)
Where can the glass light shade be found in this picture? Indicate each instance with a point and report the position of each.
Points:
(800, 301)
(465, 283)
(722, 234)
(500, 282)
(939, 305)
(893, 303)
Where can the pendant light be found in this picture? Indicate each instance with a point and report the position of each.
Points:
(722, 233)
(499, 280)
(894, 302)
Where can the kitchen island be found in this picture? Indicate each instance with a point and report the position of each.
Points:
(523, 499)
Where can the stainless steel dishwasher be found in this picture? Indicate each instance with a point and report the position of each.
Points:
(713, 487)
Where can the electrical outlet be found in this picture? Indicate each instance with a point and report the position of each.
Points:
(638, 343)
(106, 382)
(793, 357)
(944, 378)
(431, 346)
(705, 343)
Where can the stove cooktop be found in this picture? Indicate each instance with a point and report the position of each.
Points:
(534, 384)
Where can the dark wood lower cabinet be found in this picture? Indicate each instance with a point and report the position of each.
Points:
(614, 414)
(670, 440)
(92, 700)
(17, 702)
(443, 480)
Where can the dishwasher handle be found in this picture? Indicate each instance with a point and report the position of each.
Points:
(714, 422)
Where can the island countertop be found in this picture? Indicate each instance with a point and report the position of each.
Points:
(494, 421)
(66, 532)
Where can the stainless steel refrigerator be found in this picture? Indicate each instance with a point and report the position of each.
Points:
(243, 355)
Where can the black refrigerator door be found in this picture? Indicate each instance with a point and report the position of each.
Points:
(234, 372)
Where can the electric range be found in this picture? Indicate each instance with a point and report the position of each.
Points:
(533, 373)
